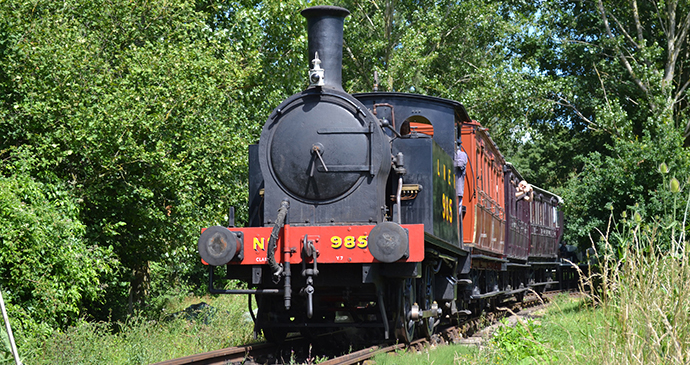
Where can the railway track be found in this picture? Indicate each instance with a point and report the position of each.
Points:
(297, 349)
(230, 355)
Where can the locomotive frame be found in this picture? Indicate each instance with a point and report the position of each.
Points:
(354, 219)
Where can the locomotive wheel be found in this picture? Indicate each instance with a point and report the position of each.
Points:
(270, 314)
(404, 325)
(275, 335)
(426, 289)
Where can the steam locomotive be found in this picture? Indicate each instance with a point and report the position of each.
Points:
(354, 217)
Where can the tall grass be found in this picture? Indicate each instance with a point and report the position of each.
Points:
(644, 293)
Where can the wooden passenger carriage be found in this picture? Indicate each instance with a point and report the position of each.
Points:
(513, 234)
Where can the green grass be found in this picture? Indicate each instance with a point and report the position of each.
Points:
(438, 355)
(143, 341)
(570, 329)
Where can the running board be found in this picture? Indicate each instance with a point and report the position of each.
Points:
(512, 264)
(487, 295)
(488, 258)
(544, 263)
(517, 291)
(544, 283)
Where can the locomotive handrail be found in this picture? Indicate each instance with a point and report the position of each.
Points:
(392, 112)
(323, 91)
(362, 130)
(344, 168)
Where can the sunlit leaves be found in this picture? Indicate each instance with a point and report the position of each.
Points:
(48, 268)
(132, 106)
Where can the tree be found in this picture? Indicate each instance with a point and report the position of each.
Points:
(623, 85)
(131, 106)
(651, 42)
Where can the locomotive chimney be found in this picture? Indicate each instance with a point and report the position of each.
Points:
(325, 32)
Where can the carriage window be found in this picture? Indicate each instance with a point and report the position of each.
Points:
(479, 171)
(533, 211)
(491, 180)
(487, 182)
(492, 176)
(549, 220)
(498, 186)
(541, 213)
(512, 192)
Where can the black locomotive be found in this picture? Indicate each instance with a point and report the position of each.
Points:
(354, 218)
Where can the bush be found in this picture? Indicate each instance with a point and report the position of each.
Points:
(627, 179)
(47, 271)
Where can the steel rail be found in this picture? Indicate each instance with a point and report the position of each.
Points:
(222, 356)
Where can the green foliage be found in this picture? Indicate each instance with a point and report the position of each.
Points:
(6, 356)
(519, 343)
(551, 156)
(48, 271)
(131, 106)
(621, 95)
(627, 178)
(271, 38)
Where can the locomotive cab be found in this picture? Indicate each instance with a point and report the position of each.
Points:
(427, 126)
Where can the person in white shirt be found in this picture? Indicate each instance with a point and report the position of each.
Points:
(460, 162)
